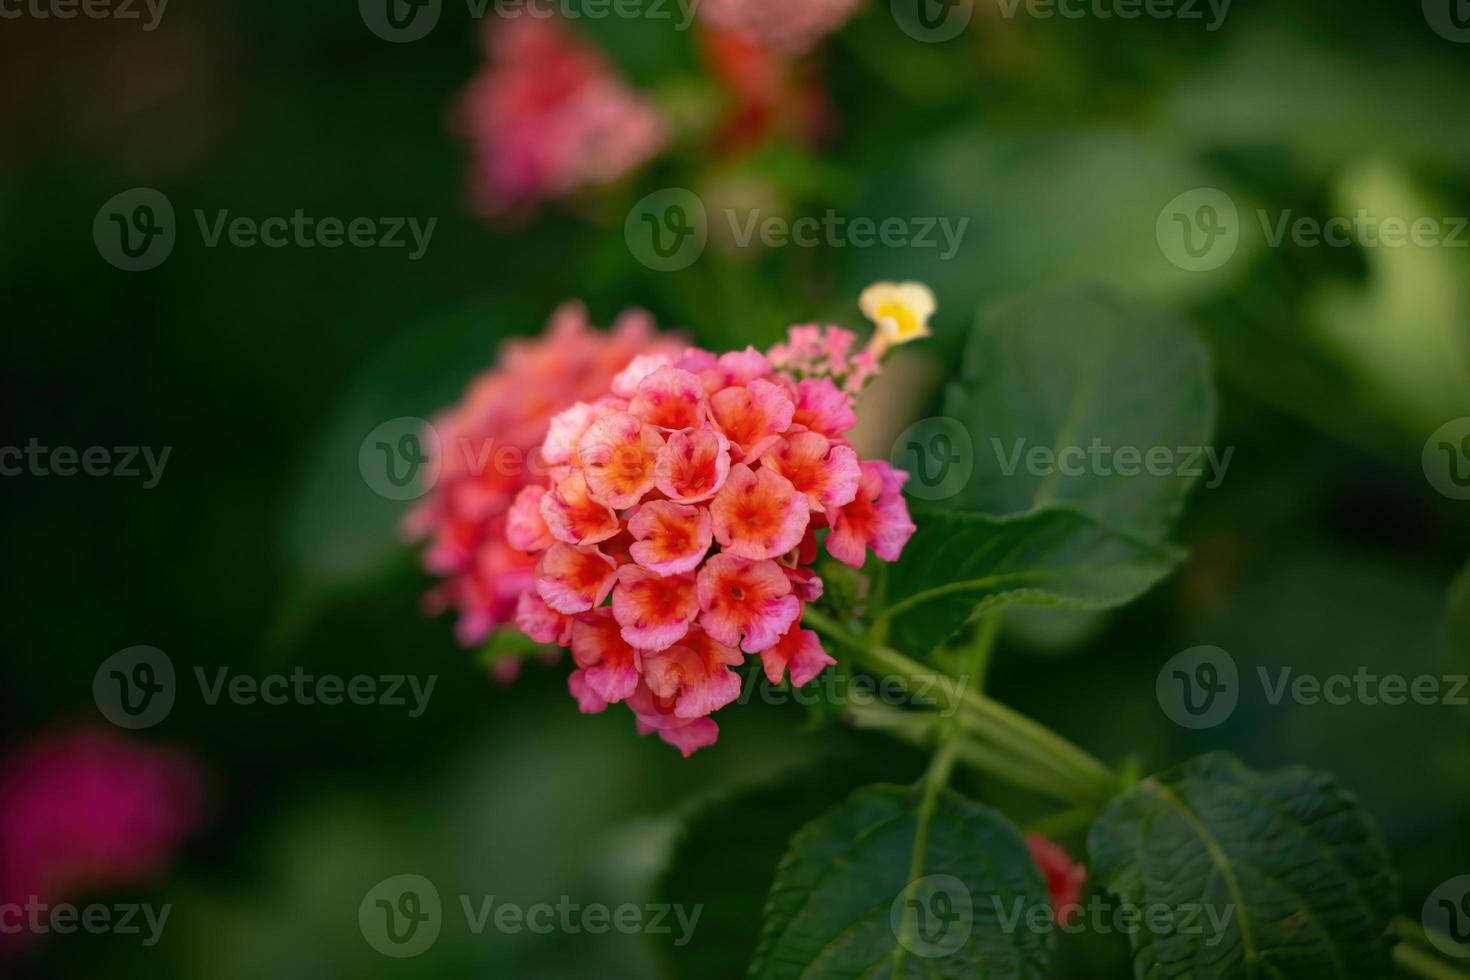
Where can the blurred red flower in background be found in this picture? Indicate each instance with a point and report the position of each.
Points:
(90, 809)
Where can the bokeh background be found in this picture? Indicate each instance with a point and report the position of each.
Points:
(263, 549)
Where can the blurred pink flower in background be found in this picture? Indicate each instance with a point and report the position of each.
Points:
(547, 116)
(788, 26)
(486, 443)
(90, 809)
(768, 92)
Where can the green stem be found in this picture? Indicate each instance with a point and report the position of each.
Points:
(1085, 777)
(1063, 821)
(1006, 767)
(1415, 962)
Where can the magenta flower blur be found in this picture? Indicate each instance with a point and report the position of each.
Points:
(91, 809)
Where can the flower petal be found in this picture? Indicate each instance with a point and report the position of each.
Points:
(692, 466)
(654, 610)
(671, 399)
(753, 415)
(739, 596)
(618, 454)
(827, 474)
(671, 538)
(758, 514)
(574, 579)
(571, 515)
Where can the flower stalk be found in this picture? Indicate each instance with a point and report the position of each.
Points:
(996, 739)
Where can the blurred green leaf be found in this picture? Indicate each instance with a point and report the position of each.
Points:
(839, 896)
(1086, 375)
(1405, 334)
(1048, 208)
(961, 566)
(725, 861)
(1275, 89)
(1281, 874)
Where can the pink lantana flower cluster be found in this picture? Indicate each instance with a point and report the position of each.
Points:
(548, 116)
(676, 531)
(487, 452)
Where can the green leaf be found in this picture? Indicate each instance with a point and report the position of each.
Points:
(842, 889)
(1457, 621)
(1403, 333)
(1288, 863)
(725, 861)
(959, 566)
(509, 644)
(1043, 207)
(1083, 374)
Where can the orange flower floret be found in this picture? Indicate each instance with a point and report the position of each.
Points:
(618, 454)
(758, 513)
